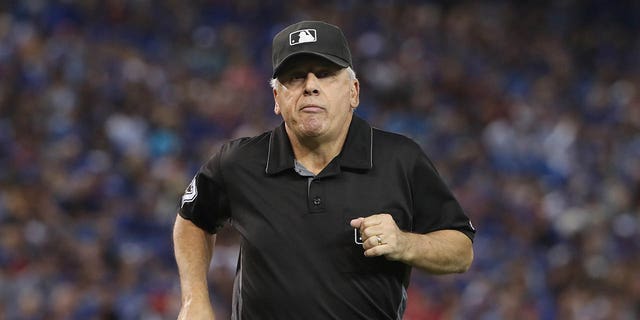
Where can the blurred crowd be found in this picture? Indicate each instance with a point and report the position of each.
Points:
(530, 111)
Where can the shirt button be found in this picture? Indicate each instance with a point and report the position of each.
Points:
(317, 201)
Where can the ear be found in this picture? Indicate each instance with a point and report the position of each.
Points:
(355, 94)
(276, 107)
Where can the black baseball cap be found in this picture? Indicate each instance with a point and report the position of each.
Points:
(310, 37)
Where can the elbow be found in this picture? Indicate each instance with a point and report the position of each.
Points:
(465, 261)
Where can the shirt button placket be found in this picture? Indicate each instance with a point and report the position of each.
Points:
(316, 193)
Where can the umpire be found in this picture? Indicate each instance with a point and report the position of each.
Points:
(333, 213)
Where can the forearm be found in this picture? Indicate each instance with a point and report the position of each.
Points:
(438, 252)
(193, 248)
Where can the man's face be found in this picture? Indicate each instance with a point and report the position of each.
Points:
(316, 98)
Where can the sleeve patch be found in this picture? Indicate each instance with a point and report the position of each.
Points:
(190, 193)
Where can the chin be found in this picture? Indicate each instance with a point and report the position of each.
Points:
(311, 133)
(312, 128)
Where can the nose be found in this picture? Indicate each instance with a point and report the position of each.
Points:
(311, 86)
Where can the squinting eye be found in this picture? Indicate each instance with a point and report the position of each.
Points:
(294, 78)
(323, 74)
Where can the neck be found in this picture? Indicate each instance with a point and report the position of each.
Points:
(315, 153)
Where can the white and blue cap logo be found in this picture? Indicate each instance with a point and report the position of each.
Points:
(303, 36)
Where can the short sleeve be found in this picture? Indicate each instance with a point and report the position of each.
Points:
(204, 201)
(435, 207)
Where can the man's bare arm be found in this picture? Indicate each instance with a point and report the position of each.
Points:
(438, 252)
(193, 248)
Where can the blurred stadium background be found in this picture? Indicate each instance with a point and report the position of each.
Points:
(530, 111)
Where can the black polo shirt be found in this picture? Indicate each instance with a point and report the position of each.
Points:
(298, 258)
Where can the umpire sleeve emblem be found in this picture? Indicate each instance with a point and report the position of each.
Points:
(191, 193)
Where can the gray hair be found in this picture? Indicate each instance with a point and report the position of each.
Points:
(274, 83)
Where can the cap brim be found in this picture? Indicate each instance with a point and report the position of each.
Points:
(339, 61)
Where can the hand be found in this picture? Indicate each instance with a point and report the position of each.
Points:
(381, 236)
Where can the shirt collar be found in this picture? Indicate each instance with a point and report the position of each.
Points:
(357, 151)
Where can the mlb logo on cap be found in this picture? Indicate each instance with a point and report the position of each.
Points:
(302, 36)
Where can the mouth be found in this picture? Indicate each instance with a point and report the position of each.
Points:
(311, 109)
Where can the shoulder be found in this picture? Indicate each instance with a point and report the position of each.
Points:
(240, 150)
(396, 150)
(246, 145)
(386, 141)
